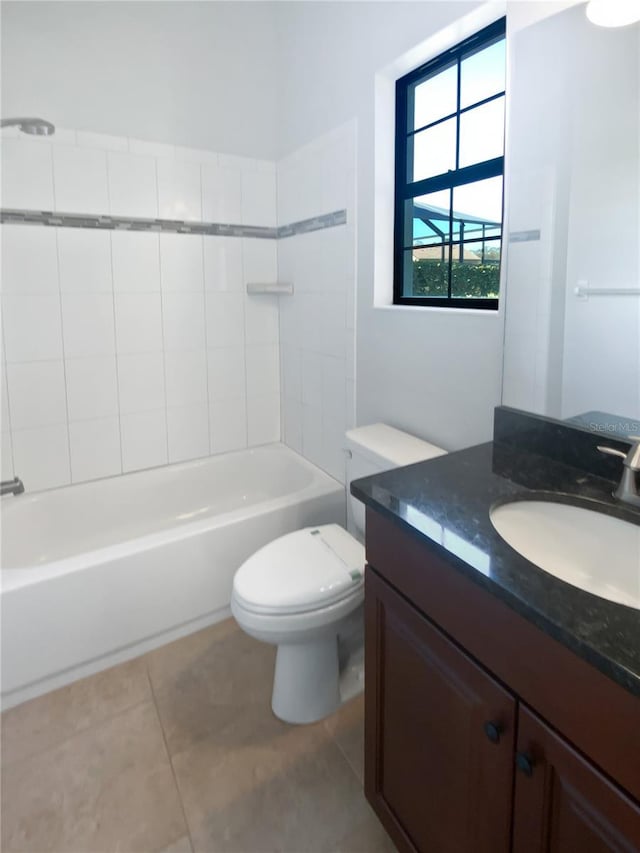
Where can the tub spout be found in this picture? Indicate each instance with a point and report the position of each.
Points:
(12, 487)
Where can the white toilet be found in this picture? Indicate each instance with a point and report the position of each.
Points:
(304, 591)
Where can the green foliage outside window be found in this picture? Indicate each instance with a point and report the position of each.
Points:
(475, 280)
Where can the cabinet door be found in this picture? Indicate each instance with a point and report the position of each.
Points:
(562, 803)
(439, 734)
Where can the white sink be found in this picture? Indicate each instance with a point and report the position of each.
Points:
(587, 549)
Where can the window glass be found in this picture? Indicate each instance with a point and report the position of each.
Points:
(479, 204)
(482, 74)
(475, 270)
(434, 150)
(435, 98)
(428, 272)
(430, 216)
(482, 133)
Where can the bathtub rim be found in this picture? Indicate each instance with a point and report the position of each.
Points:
(321, 483)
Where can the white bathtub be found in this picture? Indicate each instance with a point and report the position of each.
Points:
(100, 572)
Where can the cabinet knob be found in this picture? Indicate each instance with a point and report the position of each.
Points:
(524, 763)
(493, 731)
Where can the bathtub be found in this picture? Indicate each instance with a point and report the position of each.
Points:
(96, 573)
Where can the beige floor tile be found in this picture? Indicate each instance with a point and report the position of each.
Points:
(182, 845)
(261, 786)
(50, 719)
(199, 682)
(109, 788)
(346, 727)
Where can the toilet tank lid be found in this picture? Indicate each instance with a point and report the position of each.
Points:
(387, 446)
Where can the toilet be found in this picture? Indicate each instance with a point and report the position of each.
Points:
(304, 591)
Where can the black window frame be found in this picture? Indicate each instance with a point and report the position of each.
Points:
(406, 189)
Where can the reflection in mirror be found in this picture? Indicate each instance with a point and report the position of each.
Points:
(572, 325)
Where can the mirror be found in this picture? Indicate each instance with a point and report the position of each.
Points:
(572, 315)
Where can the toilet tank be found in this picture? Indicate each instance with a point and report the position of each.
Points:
(375, 448)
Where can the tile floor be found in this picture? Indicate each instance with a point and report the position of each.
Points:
(178, 751)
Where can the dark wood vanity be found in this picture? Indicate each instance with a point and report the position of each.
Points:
(484, 733)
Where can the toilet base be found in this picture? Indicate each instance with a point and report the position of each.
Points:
(306, 685)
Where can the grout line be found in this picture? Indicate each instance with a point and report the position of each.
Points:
(115, 350)
(164, 352)
(169, 756)
(64, 359)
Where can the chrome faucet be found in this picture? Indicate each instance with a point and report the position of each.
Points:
(627, 491)
(12, 487)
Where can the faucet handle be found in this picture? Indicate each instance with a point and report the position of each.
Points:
(612, 451)
(631, 457)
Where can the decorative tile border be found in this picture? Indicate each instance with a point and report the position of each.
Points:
(524, 236)
(174, 226)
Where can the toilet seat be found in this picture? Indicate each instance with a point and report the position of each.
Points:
(307, 570)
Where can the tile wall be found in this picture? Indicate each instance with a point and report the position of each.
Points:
(126, 350)
(317, 323)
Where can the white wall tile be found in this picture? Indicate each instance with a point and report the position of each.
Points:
(292, 424)
(226, 372)
(263, 419)
(133, 188)
(92, 387)
(5, 424)
(221, 194)
(263, 370)
(36, 394)
(27, 175)
(334, 396)
(41, 457)
(195, 155)
(312, 433)
(225, 319)
(80, 179)
(95, 449)
(311, 378)
(228, 423)
(179, 191)
(84, 260)
(223, 263)
(105, 141)
(32, 327)
(290, 371)
(6, 457)
(259, 199)
(136, 261)
(261, 319)
(181, 262)
(144, 440)
(29, 259)
(138, 322)
(141, 382)
(260, 260)
(88, 324)
(151, 149)
(188, 432)
(186, 378)
(183, 321)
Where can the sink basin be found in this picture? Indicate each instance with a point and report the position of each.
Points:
(584, 548)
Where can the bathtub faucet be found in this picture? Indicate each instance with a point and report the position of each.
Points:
(12, 487)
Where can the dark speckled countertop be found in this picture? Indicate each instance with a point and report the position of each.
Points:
(447, 501)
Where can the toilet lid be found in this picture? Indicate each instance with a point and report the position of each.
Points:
(304, 570)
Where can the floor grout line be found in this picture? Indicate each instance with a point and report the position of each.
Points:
(170, 757)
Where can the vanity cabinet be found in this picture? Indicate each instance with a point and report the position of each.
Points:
(462, 758)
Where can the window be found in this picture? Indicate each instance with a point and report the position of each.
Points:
(449, 176)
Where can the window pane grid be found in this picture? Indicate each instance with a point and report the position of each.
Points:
(443, 255)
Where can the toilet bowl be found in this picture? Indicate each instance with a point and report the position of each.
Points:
(300, 593)
(304, 591)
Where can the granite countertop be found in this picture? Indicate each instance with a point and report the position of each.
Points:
(447, 501)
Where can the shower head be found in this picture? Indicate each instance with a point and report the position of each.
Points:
(32, 126)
